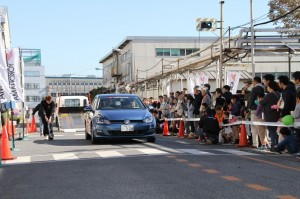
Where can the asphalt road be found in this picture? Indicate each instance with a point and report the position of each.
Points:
(71, 167)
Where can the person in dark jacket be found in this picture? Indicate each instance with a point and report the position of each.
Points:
(47, 109)
(197, 100)
(296, 77)
(211, 127)
(227, 94)
(37, 109)
(270, 114)
(257, 90)
(220, 99)
(266, 79)
(288, 95)
(197, 103)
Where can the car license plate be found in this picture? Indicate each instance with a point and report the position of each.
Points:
(127, 128)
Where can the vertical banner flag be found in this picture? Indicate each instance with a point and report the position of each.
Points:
(233, 79)
(197, 79)
(4, 87)
(192, 83)
(164, 85)
(14, 75)
(203, 79)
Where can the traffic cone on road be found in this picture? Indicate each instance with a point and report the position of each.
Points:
(5, 149)
(243, 142)
(33, 125)
(166, 129)
(8, 127)
(181, 129)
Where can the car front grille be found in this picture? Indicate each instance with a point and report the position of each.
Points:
(122, 121)
(127, 133)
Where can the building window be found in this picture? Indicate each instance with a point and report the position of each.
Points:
(167, 52)
(174, 52)
(182, 52)
(159, 51)
(33, 98)
(32, 86)
(72, 102)
(29, 73)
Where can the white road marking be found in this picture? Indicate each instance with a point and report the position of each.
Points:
(69, 130)
(106, 154)
(195, 152)
(65, 156)
(152, 151)
(182, 142)
(19, 160)
(234, 151)
(79, 134)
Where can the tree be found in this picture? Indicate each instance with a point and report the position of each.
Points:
(281, 7)
(99, 90)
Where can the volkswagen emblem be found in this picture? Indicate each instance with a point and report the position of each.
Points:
(126, 121)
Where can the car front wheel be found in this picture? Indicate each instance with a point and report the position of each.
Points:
(87, 135)
(93, 139)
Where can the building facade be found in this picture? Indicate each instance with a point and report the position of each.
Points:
(139, 58)
(34, 76)
(71, 85)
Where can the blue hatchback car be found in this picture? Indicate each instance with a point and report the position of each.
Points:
(118, 116)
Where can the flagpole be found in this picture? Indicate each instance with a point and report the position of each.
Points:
(23, 93)
(11, 113)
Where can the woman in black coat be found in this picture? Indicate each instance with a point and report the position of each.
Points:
(270, 114)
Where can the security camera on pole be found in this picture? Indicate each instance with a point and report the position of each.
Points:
(206, 24)
(210, 24)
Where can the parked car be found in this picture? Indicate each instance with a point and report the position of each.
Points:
(118, 116)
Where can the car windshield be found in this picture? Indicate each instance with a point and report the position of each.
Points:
(119, 102)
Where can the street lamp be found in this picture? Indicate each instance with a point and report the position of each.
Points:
(104, 83)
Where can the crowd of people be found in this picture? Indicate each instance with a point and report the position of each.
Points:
(260, 100)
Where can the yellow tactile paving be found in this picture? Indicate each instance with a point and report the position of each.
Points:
(258, 187)
(231, 178)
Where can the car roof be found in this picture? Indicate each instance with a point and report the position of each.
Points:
(116, 95)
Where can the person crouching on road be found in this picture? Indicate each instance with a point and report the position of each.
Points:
(211, 127)
(289, 143)
(47, 113)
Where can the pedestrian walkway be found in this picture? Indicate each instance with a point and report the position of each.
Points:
(121, 154)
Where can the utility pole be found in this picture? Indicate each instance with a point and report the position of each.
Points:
(221, 46)
(252, 39)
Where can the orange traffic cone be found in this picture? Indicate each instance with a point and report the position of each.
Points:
(181, 129)
(8, 127)
(33, 125)
(243, 137)
(166, 129)
(5, 150)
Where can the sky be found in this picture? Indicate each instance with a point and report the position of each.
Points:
(74, 35)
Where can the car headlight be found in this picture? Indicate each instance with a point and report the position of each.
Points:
(102, 121)
(148, 120)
